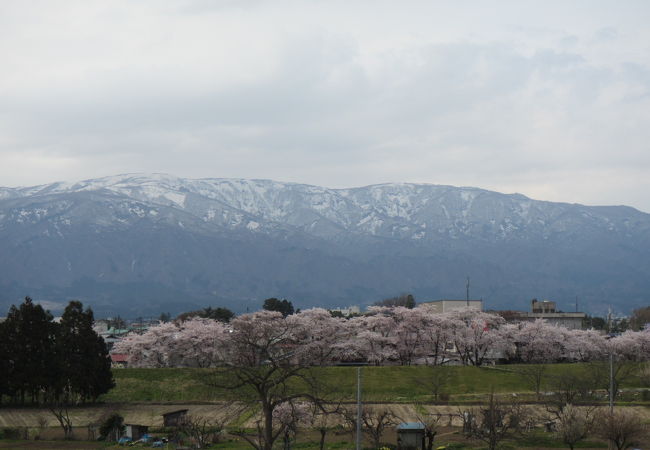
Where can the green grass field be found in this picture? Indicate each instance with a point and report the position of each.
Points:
(137, 391)
(380, 384)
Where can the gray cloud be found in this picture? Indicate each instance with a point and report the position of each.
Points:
(331, 95)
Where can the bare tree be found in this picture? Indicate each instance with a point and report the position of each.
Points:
(321, 420)
(201, 430)
(640, 317)
(60, 411)
(622, 427)
(468, 417)
(497, 421)
(534, 375)
(431, 425)
(622, 370)
(435, 380)
(286, 419)
(42, 425)
(320, 423)
(374, 422)
(574, 424)
(568, 387)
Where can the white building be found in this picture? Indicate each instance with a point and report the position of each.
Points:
(443, 306)
(547, 311)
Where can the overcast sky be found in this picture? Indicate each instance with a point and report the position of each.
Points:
(547, 98)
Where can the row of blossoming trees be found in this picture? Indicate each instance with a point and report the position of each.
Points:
(384, 336)
(266, 359)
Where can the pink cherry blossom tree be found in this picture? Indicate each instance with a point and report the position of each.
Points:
(437, 334)
(585, 345)
(535, 342)
(319, 334)
(201, 342)
(475, 334)
(375, 336)
(194, 343)
(631, 345)
(629, 352)
(410, 334)
(267, 366)
(153, 348)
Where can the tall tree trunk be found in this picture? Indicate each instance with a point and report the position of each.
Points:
(429, 441)
(323, 432)
(268, 427)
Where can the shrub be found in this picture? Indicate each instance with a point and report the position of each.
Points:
(624, 428)
(13, 433)
(112, 428)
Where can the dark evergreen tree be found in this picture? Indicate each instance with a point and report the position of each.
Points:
(219, 314)
(283, 306)
(85, 363)
(410, 301)
(6, 363)
(597, 323)
(406, 300)
(30, 334)
(117, 323)
(45, 362)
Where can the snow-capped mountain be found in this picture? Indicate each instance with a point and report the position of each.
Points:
(236, 242)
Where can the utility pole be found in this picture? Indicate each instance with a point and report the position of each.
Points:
(611, 381)
(358, 408)
(611, 363)
(610, 444)
(468, 291)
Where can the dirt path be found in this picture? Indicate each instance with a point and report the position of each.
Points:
(151, 414)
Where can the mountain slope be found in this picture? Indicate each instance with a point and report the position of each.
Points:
(138, 244)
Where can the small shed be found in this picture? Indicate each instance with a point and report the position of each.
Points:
(135, 432)
(174, 418)
(410, 436)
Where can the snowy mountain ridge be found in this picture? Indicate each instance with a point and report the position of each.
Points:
(393, 210)
(142, 243)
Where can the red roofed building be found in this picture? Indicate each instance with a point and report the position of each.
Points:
(119, 360)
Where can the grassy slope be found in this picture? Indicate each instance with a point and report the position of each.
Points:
(380, 384)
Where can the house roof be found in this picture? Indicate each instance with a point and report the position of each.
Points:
(411, 426)
(175, 412)
(119, 357)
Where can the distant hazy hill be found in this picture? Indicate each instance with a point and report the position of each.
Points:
(141, 244)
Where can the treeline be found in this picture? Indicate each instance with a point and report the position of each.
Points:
(383, 336)
(405, 300)
(225, 315)
(45, 362)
